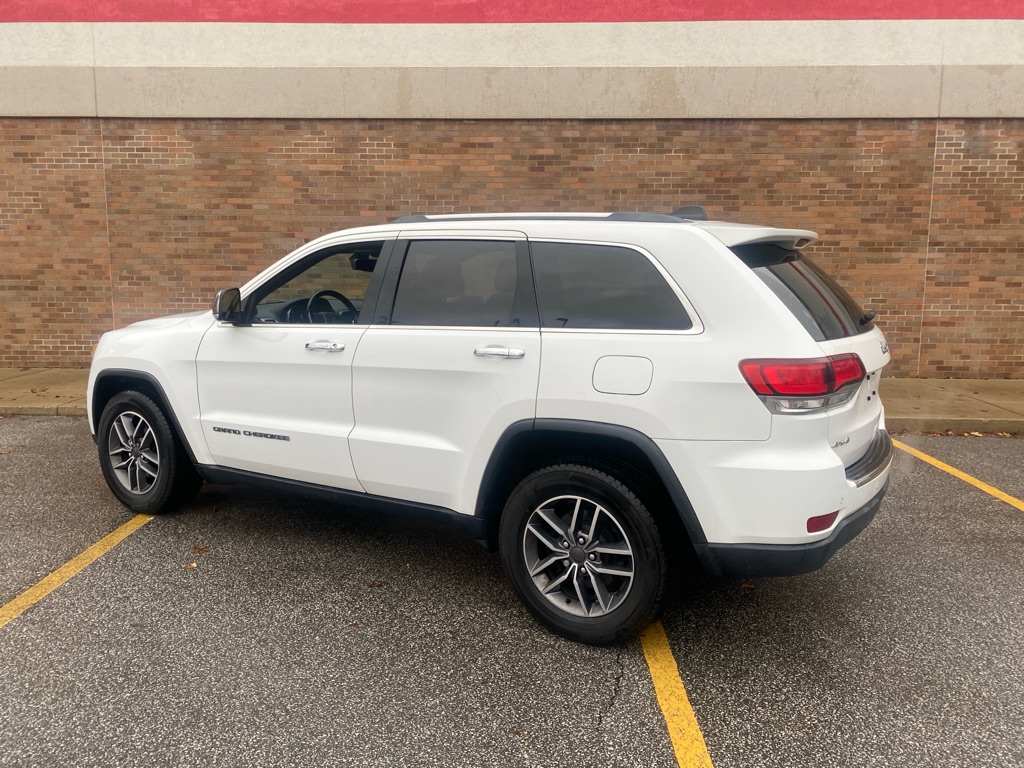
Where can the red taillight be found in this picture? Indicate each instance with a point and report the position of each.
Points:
(816, 377)
(821, 522)
(847, 370)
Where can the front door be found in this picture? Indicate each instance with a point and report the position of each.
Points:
(275, 392)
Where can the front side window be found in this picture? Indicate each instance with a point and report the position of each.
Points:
(458, 282)
(603, 286)
(326, 287)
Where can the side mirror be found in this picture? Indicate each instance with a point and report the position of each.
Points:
(227, 305)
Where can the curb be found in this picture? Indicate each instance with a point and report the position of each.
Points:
(936, 424)
(40, 410)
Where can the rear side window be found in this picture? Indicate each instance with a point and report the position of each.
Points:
(603, 286)
(821, 305)
(459, 282)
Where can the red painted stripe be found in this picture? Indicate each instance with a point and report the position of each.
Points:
(498, 11)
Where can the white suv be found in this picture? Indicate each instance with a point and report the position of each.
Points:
(575, 389)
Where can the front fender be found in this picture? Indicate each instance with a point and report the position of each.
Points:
(162, 356)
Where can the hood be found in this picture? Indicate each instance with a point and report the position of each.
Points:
(168, 321)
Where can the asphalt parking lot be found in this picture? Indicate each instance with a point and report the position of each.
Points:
(257, 630)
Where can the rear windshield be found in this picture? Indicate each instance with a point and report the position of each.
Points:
(815, 299)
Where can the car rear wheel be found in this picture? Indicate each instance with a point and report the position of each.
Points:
(143, 461)
(583, 554)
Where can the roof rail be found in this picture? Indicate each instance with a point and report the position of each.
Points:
(690, 212)
(641, 216)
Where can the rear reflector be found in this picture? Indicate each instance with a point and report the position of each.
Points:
(821, 522)
(815, 377)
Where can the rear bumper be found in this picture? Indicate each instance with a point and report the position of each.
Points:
(753, 560)
(874, 462)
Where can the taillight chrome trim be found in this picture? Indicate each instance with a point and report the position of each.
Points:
(798, 405)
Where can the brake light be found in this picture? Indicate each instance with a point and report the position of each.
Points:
(804, 385)
(847, 369)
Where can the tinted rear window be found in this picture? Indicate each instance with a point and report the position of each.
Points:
(458, 282)
(581, 285)
(820, 304)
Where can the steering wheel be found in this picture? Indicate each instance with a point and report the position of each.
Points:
(334, 295)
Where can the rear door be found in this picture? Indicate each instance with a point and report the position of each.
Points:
(451, 359)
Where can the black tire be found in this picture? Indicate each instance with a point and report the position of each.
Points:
(603, 586)
(142, 459)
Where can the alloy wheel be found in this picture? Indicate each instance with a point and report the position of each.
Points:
(578, 556)
(134, 452)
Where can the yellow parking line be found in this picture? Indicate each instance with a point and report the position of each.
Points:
(991, 490)
(45, 586)
(683, 730)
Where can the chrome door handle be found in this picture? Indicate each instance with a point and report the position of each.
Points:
(330, 346)
(493, 350)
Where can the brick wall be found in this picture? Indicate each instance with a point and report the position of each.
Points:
(105, 221)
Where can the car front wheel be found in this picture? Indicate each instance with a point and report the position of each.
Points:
(583, 554)
(142, 459)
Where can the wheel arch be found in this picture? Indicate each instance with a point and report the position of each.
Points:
(113, 381)
(531, 444)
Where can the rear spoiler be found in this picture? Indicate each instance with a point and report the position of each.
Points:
(765, 253)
